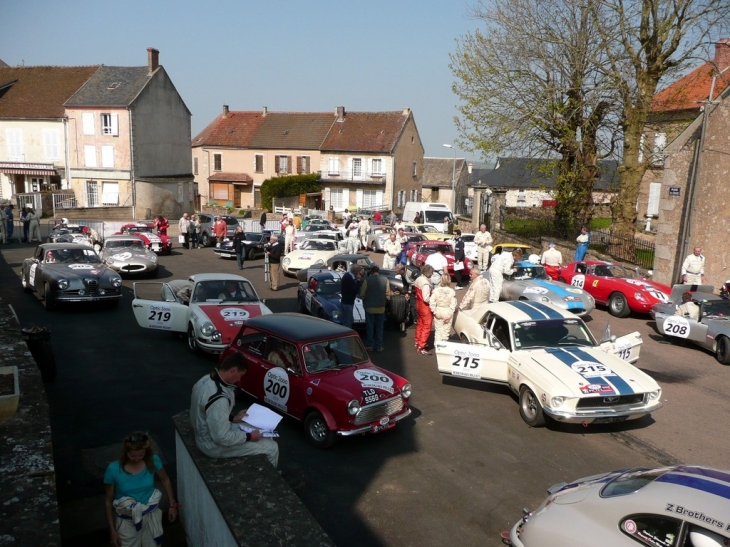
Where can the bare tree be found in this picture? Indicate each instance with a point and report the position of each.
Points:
(533, 82)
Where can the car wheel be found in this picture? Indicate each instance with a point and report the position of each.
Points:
(723, 351)
(48, 298)
(251, 254)
(24, 282)
(315, 427)
(192, 342)
(618, 306)
(205, 240)
(530, 408)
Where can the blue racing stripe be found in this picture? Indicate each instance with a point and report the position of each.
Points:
(704, 472)
(573, 355)
(536, 310)
(697, 483)
(621, 384)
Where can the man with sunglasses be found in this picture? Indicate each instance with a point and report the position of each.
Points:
(217, 431)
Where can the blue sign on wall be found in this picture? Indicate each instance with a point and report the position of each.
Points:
(675, 191)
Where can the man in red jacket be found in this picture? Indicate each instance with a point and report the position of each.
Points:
(220, 229)
(422, 288)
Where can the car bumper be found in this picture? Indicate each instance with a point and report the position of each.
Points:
(58, 297)
(214, 348)
(133, 269)
(225, 252)
(605, 415)
(514, 534)
(370, 428)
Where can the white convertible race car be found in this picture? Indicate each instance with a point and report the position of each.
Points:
(549, 357)
(210, 308)
(313, 253)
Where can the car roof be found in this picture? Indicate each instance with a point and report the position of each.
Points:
(297, 327)
(345, 256)
(516, 311)
(215, 277)
(54, 246)
(122, 236)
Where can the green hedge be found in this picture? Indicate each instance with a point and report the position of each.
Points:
(294, 185)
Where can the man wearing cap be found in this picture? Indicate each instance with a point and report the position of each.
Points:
(552, 259)
(483, 241)
(478, 291)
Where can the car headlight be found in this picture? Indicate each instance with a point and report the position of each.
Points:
(336, 315)
(109, 261)
(639, 296)
(590, 299)
(557, 401)
(287, 261)
(153, 258)
(207, 329)
(406, 391)
(654, 395)
(117, 282)
(320, 262)
(63, 284)
(353, 407)
(544, 299)
(216, 336)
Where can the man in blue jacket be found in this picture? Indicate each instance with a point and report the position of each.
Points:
(351, 283)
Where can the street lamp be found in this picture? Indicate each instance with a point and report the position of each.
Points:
(453, 180)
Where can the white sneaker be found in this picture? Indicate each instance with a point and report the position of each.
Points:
(457, 288)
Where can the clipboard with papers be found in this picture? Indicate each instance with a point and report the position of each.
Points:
(261, 418)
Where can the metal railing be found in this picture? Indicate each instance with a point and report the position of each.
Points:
(30, 200)
(628, 249)
(65, 200)
(361, 175)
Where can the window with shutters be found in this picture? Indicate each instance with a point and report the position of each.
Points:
(15, 144)
(414, 195)
(217, 162)
(87, 123)
(655, 189)
(356, 168)
(110, 124)
(336, 198)
(89, 155)
(259, 163)
(282, 165)
(401, 198)
(304, 165)
(107, 156)
(334, 166)
(377, 168)
(219, 191)
(51, 144)
(369, 199)
(92, 193)
(195, 166)
(660, 142)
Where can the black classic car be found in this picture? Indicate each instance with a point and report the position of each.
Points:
(254, 243)
(70, 272)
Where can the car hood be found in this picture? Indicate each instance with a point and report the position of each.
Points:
(545, 286)
(591, 372)
(125, 254)
(76, 270)
(356, 381)
(645, 285)
(228, 317)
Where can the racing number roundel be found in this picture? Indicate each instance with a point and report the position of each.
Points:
(675, 325)
(277, 388)
(578, 281)
(370, 378)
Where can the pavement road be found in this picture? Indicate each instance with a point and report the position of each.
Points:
(457, 472)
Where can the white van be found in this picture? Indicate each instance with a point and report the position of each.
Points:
(431, 213)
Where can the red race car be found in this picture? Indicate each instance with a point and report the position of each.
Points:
(421, 251)
(161, 244)
(621, 289)
(319, 373)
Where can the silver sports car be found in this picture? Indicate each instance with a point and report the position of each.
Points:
(127, 254)
(530, 282)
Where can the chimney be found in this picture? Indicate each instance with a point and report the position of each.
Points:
(225, 110)
(153, 59)
(340, 113)
(265, 111)
(470, 167)
(722, 54)
(406, 111)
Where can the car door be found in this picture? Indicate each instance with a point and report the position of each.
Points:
(600, 286)
(155, 306)
(626, 347)
(475, 362)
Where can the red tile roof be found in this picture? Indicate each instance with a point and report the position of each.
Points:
(40, 91)
(230, 177)
(231, 131)
(292, 130)
(375, 132)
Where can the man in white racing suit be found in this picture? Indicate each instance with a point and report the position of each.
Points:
(217, 431)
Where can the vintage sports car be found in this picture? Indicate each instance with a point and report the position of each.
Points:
(210, 308)
(333, 235)
(422, 250)
(680, 506)
(549, 358)
(69, 272)
(377, 237)
(311, 231)
(711, 332)
(339, 263)
(321, 296)
(530, 282)
(314, 253)
(71, 233)
(428, 231)
(128, 255)
(158, 243)
(622, 290)
(254, 242)
(509, 248)
(320, 374)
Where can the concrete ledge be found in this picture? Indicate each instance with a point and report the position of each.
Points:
(28, 504)
(238, 501)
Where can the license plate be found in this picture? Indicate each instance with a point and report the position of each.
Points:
(378, 428)
(611, 420)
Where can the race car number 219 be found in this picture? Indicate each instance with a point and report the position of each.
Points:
(159, 317)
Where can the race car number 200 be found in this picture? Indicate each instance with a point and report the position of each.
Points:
(676, 326)
(277, 388)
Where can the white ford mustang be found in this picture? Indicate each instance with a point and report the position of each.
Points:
(549, 357)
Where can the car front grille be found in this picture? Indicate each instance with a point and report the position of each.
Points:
(92, 285)
(130, 268)
(611, 401)
(377, 410)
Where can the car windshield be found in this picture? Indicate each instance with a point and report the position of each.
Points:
(136, 244)
(553, 333)
(467, 238)
(531, 271)
(224, 291)
(254, 237)
(318, 245)
(631, 481)
(331, 354)
(437, 216)
(142, 229)
(231, 221)
(72, 256)
(716, 308)
(612, 270)
(428, 229)
(315, 227)
(329, 287)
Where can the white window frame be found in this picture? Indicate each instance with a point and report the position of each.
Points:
(357, 168)
(284, 165)
(87, 123)
(369, 199)
(660, 143)
(89, 155)
(110, 124)
(51, 144)
(642, 142)
(15, 144)
(334, 167)
(336, 198)
(377, 168)
(110, 193)
(92, 193)
(107, 156)
(401, 198)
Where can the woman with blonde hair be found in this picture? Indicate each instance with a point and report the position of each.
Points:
(130, 493)
(443, 306)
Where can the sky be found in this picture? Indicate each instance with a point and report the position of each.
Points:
(299, 56)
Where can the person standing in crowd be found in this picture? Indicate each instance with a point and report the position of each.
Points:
(239, 246)
(34, 223)
(391, 250)
(161, 225)
(417, 219)
(350, 289)
(447, 225)
(26, 222)
(3, 226)
(501, 265)
(377, 218)
(391, 218)
(443, 306)
(284, 222)
(483, 241)
(364, 231)
(184, 225)
(9, 221)
(297, 221)
(459, 257)
(219, 229)
(274, 251)
(290, 236)
(194, 230)
(262, 220)
(584, 241)
(131, 500)
(217, 430)
(440, 266)
(693, 268)
(478, 291)
(353, 236)
(422, 289)
(552, 259)
(375, 293)
(688, 308)
(398, 225)
(403, 240)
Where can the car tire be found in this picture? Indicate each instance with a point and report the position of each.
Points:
(530, 408)
(618, 306)
(24, 282)
(722, 354)
(48, 301)
(192, 342)
(205, 240)
(251, 254)
(317, 432)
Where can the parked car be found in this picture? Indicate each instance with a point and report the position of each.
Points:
(377, 237)
(70, 272)
(321, 296)
(312, 231)
(550, 360)
(71, 233)
(127, 254)
(622, 290)
(158, 243)
(254, 243)
(428, 231)
(711, 332)
(319, 373)
(201, 306)
(677, 506)
(510, 248)
(340, 263)
(422, 250)
(334, 235)
(206, 237)
(313, 253)
(470, 248)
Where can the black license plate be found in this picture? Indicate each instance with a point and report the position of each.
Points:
(610, 420)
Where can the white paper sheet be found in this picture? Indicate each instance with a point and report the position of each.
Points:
(262, 418)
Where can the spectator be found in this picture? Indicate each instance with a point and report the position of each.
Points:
(184, 225)
(350, 289)
(390, 220)
(375, 293)
(9, 222)
(584, 241)
(274, 251)
(34, 223)
(403, 240)
(459, 257)
(26, 223)
(483, 241)
(290, 236)
(447, 225)
(501, 265)
(353, 237)
(364, 231)
(391, 249)
(377, 218)
(443, 306)
(161, 224)
(417, 219)
(693, 268)
(440, 266)
(423, 289)
(130, 493)
(552, 259)
(399, 225)
(220, 229)
(194, 231)
(216, 429)
(239, 246)
(262, 221)
(284, 222)
(478, 291)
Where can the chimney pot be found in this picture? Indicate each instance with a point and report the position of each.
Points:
(406, 111)
(225, 110)
(153, 59)
(265, 111)
(722, 54)
(340, 113)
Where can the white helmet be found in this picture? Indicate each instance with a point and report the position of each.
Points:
(64, 221)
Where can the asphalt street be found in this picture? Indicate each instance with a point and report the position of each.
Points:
(458, 471)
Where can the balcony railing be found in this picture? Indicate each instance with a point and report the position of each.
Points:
(65, 200)
(353, 176)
